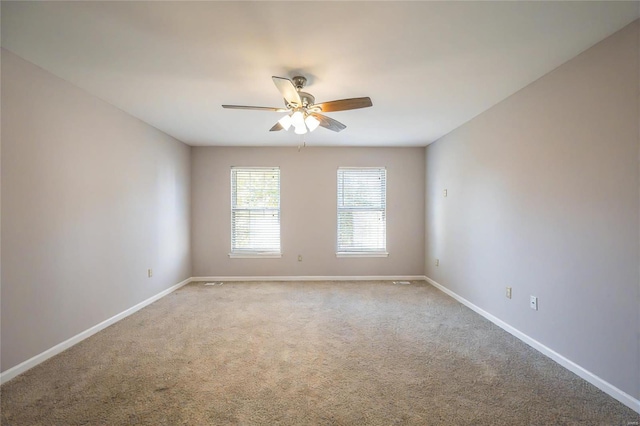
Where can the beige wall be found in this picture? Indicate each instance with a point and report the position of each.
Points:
(308, 211)
(91, 198)
(543, 197)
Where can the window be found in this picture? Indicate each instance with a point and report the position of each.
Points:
(362, 211)
(255, 211)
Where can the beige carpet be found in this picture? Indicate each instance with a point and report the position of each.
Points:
(311, 353)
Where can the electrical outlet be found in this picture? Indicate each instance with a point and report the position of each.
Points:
(149, 273)
(437, 262)
(299, 258)
(508, 292)
(533, 302)
(444, 193)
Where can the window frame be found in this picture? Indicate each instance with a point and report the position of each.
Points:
(254, 253)
(362, 253)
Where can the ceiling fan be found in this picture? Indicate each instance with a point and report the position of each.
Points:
(302, 111)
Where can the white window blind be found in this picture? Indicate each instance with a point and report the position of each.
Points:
(255, 210)
(362, 210)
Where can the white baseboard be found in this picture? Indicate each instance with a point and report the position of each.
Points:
(32, 362)
(601, 384)
(317, 278)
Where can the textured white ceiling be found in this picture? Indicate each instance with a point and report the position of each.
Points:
(428, 66)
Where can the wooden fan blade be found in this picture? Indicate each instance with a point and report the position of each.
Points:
(255, 108)
(329, 123)
(276, 127)
(288, 90)
(345, 104)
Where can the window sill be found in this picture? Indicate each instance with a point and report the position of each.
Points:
(255, 255)
(362, 254)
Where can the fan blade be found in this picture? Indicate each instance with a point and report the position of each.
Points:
(345, 104)
(255, 108)
(329, 123)
(288, 90)
(276, 127)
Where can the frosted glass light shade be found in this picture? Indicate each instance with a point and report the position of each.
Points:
(312, 123)
(297, 119)
(301, 130)
(285, 122)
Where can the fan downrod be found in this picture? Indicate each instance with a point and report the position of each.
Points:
(299, 81)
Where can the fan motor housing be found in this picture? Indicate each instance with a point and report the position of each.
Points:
(306, 98)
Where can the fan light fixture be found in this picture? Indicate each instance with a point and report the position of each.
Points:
(301, 122)
(303, 113)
